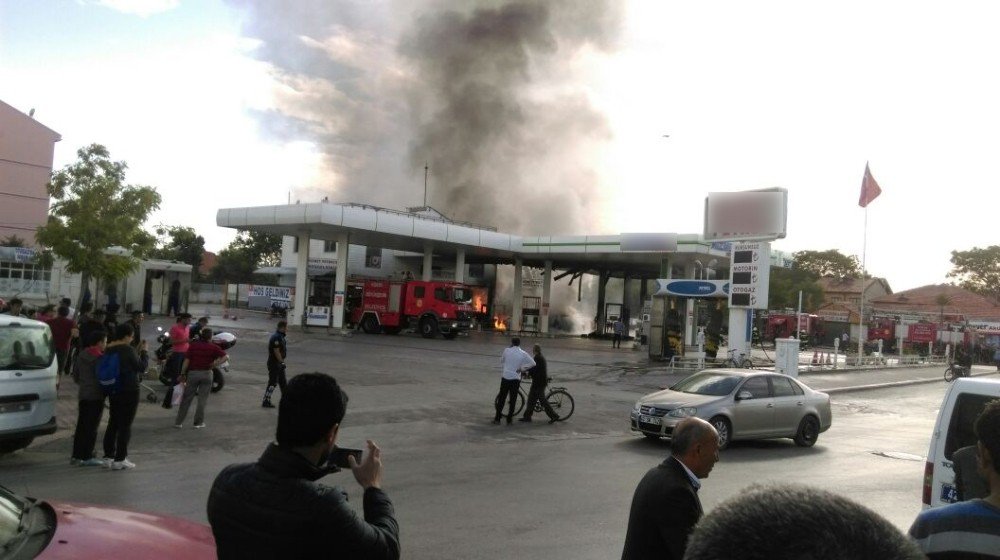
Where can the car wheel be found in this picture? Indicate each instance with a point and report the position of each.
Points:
(370, 324)
(725, 429)
(428, 327)
(808, 432)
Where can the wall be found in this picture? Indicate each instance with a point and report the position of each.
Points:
(26, 151)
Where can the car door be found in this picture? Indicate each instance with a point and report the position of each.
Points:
(789, 405)
(753, 416)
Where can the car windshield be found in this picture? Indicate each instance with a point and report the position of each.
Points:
(11, 510)
(712, 384)
(461, 295)
(25, 347)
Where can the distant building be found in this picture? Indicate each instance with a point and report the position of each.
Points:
(208, 262)
(26, 152)
(847, 291)
(940, 302)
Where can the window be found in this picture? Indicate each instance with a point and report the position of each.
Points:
(757, 387)
(373, 257)
(329, 246)
(784, 387)
(418, 291)
(968, 407)
(295, 244)
(440, 295)
(24, 271)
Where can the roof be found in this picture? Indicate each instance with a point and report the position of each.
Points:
(637, 254)
(4, 107)
(831, 285)
(924, 300)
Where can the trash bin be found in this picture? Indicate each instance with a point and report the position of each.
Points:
(786, 356)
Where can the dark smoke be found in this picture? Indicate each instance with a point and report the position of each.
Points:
(482, 92)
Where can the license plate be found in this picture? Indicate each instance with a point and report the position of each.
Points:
(949, 493)
(15, 407)
(655, 420)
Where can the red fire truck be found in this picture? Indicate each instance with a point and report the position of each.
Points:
(390, 306)
(782, 325)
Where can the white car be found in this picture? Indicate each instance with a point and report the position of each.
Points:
(29, 380)
(740, 403)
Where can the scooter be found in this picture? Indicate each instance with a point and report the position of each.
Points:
(955, 371)
(223, 340)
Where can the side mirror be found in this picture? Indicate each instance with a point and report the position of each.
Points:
(744, 396)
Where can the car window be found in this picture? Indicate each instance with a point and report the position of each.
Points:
(11, 509)
(968, 407)
(440, 295)
(784, 387)
(712, 384)
(25, 347)
(757, 387)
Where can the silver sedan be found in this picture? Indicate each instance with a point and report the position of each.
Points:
(741, 404)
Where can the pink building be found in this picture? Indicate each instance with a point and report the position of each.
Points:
(26, 151)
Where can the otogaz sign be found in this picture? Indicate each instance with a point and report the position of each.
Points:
(750, 272)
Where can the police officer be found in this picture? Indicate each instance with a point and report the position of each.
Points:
(276, 352)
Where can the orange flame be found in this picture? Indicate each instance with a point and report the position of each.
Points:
(500, 323)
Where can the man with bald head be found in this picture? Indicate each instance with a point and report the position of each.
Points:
(665, 507)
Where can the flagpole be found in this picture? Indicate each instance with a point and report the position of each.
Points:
(862, 335)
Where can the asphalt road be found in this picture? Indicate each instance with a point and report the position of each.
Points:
(466, 488)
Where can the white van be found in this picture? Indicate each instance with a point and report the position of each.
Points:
(963, 403)
(29, 381)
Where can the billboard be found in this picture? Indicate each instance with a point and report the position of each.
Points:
(748, 215)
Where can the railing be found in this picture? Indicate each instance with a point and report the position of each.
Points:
(422, 217)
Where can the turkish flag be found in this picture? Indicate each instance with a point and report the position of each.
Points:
(869, 188)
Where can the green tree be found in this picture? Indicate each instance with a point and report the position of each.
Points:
(828, 263)
(978, 270)
(248, 252)
(13, 241)
(95, 209)
(180, 243)
(785, 284)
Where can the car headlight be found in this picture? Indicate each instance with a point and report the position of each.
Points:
(637, 406)
(683, 412)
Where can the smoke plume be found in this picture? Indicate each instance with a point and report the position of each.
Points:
(488, 94)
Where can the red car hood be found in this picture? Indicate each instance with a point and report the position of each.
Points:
(87, 531)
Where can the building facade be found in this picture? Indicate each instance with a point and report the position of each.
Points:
(26, 152)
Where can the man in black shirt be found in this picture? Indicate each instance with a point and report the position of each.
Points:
(276, 352)
(539, 380)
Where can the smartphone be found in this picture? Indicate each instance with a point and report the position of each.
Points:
(339, 455)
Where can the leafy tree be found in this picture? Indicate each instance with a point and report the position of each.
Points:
(784, 285)
(13, 241)
(93, 210)
(978, 270)
(828, 263)
(181, 244)
(248, 252)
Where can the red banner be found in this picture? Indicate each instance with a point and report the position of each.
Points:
(869, 188)
(922, 332)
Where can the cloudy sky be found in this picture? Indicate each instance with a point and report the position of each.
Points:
(538, 117)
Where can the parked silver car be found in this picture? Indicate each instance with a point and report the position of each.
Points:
(741, 404)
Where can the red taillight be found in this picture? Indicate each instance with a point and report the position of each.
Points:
(928, 482)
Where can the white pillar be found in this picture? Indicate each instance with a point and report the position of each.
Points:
(689, 311)
(460, 265)
(428, 262)
(546, 297)
(301, 281)
(340, 282)
(738, 337)
(515, 312)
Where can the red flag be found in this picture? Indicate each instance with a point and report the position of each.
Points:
(869, 188)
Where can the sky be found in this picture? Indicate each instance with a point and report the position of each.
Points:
(581, 117)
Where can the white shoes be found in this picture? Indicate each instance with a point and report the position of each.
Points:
(122, 465)
(199, 426)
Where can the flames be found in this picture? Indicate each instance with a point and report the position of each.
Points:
(500, 323)
(478, 302)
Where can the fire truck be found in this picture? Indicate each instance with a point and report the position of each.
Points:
(782, 325)
(390, 306)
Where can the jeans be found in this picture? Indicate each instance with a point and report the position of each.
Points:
(88, 419)
(507, 387)
(119, 430)
(197, 382)
(275, 378)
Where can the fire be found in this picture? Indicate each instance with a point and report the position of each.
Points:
(500, 323)
(478, 303)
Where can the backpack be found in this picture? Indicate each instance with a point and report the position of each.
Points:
(108, 373)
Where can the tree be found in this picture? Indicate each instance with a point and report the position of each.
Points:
(184, 245)
(248, 252)
(93, 210)
(785, 284)
(978, 270)
(828, 263)
(13, 241)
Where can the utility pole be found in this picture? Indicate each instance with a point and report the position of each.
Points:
(426, 168)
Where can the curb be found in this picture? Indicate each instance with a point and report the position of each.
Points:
(891, 384)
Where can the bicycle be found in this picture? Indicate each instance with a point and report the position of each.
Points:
(558, 398)
(743, 362)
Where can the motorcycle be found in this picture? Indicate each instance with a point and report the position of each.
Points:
(955, 371)
(223, 340)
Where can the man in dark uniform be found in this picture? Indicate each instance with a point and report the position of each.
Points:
(276, 352)
(539, 379)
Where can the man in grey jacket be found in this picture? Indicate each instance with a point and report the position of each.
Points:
(90, 400)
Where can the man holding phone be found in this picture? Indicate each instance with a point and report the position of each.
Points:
(275, 508)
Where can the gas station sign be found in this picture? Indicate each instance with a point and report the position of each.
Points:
(749, 275)
(692, 288)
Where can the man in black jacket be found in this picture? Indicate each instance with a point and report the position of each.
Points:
(275, 508)
(665, 506)
(539, 380)
(123, 398)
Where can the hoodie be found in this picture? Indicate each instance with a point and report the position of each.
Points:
(85, 375)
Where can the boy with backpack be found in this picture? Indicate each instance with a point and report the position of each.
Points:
(118, 374)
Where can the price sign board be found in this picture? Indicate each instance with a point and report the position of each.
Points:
(749, 274)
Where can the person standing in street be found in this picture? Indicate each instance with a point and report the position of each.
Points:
(196, 374)
(90, 401)
(136, 322)
(63, 330)
(969, 529)
(539, 380)
(665, 506)
(277, 508)
(124, 398)
(179, 342)
(277, 349)
(619, 329)
(513, 361)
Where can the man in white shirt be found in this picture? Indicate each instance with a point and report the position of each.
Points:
(513, 361)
